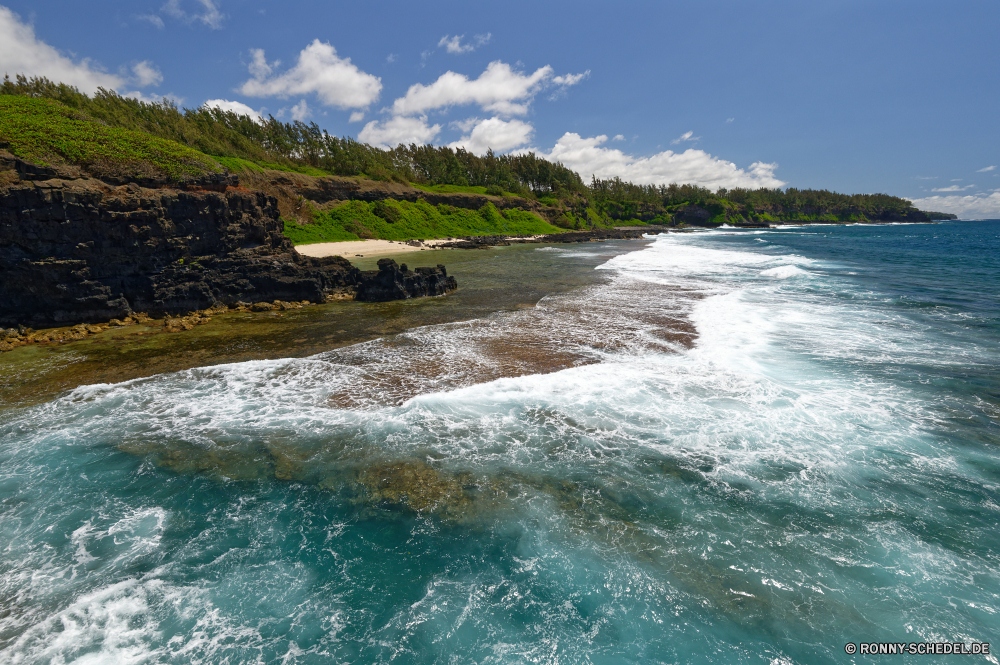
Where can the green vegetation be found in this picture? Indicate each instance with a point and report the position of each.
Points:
(941, 215)
(45, 132)
(304, 148)
(619, 200)
(110, 134)
(402, 220)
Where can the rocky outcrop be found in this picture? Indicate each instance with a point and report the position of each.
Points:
(82, 250)
(397, 282)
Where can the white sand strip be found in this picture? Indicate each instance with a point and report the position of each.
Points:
(352, 248)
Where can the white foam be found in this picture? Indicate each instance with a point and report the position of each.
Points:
(784, 272)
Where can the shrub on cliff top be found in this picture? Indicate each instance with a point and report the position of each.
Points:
(357, 219)
(44, 131)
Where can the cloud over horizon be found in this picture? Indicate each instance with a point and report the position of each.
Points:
(336, 81)
(587, 157)
(966, 207)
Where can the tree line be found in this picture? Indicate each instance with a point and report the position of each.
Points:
(296, 145)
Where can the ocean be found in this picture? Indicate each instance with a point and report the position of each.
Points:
(723, 447)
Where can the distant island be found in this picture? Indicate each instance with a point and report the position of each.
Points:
(111, 206)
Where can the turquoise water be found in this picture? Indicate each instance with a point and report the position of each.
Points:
(740, 447)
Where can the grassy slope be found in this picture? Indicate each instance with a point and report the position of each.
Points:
(357, 220)
(45, 132)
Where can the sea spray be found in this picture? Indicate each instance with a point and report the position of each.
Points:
(694, 461)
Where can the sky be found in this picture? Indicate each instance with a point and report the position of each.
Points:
(856, 97)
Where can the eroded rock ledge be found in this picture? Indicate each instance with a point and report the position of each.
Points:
(79, 250)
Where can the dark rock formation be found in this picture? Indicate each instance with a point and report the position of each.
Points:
(397, 282)
(81, 250)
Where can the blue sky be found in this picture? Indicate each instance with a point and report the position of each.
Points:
(897, 97)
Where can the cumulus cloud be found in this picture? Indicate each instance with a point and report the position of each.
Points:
(336, 81)
(23, 53)
(455, 45)
(500, 135)
(988, 168)
(952, 188)
(587, 156)
(239, 108)
(146, 74)
(686, 136)
(357, 116)
(500, 89)
(966, 207)
(619, 137)
(399, 129)
(209, 14)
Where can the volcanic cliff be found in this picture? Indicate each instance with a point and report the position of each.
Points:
(78, 249)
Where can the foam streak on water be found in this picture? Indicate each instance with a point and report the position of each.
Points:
(742, 447)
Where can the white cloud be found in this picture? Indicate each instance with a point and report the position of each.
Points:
(686, 136)
(966, 207)
(152, 18)
(564, 82)
(926, 177)
(146, 74)
(587, 157)
(455, 45)
(22, 53)
(210, 15)
(336, 81)
(500, 135)
(988, 168)
(398, 130)
(239, 108)
(952, 188)
(728, 120)
(499, 89)
(300, 111)
(391, 58)
(619, 137)
(357, 116)
(570, 79)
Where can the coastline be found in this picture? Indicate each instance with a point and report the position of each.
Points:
(506, 278)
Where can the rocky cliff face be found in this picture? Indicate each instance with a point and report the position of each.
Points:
(79, 249)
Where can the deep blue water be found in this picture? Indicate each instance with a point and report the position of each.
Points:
(573, 483)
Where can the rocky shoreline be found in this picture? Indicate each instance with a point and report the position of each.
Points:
(76, 250)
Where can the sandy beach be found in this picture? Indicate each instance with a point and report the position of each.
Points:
(352, 248)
